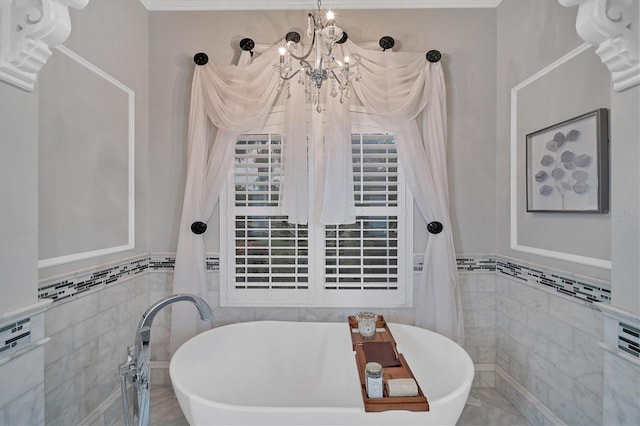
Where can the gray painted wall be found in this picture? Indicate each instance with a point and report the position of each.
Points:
(124, 56)
(531, 36)
(467, 39)
(625, 208)
(18, 191)
(580, 85)
(83, 172)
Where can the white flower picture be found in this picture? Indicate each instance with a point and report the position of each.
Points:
(567, 165)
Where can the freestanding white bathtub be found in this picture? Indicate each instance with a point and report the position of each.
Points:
(303, 373)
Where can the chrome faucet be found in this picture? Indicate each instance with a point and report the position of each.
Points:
(138, 359)
(143, 334)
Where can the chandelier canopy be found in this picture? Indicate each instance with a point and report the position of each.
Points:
(314, 70)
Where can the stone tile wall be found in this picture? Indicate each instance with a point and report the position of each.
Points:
(530, 333)
(28, 383)
(89, 336)
(23, 341)
(621, 404)
(477, 291)
(549, 344)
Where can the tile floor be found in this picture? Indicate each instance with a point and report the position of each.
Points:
(494, 409)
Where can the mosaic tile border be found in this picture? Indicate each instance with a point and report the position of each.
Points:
(579, 288)
(482, 263)
(59, 289)
(569, 286)
(14, 336)
(629, 339)
(162, 263)
(465, 263)
(213, 263)
(168, 262)
(62, 288)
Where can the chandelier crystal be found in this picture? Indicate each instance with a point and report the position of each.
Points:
(325, 35)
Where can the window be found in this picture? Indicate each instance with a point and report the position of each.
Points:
(270, 262)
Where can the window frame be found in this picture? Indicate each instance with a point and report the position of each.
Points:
(316, 295)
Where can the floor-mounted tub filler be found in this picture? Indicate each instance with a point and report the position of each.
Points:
(135, 373)
(304, 373)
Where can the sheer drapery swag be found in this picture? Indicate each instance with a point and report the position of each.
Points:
(401, 90)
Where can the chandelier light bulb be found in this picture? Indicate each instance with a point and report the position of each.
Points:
(330, 15)
(347, 59)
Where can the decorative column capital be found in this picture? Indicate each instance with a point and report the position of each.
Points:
(612, 26)
(28, 31)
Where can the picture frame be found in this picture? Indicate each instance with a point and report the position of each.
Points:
(567, 165)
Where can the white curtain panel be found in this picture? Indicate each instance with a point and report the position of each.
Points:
(395, 88)
(294, 188)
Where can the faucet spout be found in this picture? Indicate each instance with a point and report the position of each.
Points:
(144, 327)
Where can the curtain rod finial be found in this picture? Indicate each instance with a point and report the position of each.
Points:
(200, 58)
(386, 42)
(293, 36)
(247, 44)
(433, 56)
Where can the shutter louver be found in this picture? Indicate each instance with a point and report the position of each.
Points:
(364, 255)
(271, 253)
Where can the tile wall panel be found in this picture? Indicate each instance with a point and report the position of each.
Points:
(621, 391)
(22, 338)
(550, 345)
(539, 327)
(89, 335)
(477, 292)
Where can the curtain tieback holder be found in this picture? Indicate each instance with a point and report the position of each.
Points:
(435, 227)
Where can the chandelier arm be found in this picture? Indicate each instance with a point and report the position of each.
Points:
(313, 42)
(289, 77)
(336, 77)
(305, 64)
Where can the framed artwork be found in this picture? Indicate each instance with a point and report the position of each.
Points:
(568, 165)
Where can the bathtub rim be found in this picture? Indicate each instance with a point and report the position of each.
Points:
(464, 387)
(468, 362)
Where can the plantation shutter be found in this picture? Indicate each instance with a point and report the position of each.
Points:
(270, 253)
(364, 255)
(277, 263)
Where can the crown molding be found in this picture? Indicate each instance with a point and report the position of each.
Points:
(28, 31)
(185, 5)
(612, 26)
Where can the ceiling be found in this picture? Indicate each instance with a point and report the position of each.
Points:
(311, 4)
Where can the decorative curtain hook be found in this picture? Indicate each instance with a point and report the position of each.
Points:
(198, 227)
(435, 227)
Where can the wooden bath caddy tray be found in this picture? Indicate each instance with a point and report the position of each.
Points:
(401, 371)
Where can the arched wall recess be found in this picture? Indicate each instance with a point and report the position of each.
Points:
(28, 31)
(612, 26)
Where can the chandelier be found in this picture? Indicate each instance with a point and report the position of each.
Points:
(314, 70)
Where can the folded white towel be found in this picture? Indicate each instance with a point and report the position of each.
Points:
(402, 387)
